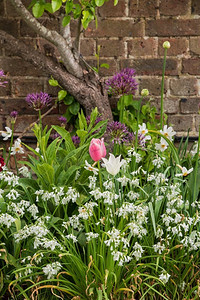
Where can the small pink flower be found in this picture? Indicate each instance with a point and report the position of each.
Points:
(97, 149)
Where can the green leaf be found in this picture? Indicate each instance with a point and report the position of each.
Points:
(74, 108)
(48, 7)
(77, 11)
(62, 94)
(152, 217)
(81, 133)
(69, 100)
(38, 10)
(105, 66)
(66, 20)
(87, 18)
(53, 82)
(56, 5)
(99, 2)
(115, 2)
(68, 7)
(47, 172)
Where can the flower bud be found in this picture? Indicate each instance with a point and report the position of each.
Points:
(97, 149)
(166, 45)
(145, 93)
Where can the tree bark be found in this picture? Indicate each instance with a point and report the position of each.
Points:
(88, 90)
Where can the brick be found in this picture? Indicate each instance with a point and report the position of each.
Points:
(197, 123)
(195, 45)
(19, 104)
(87, 47)
(113, 67)
(11, 11)
(191, 66)
(22, 87)
(173, 27)
(111, 48)
(174, 8)
(23, 122)
(9, 26)
(51, 120)
(109, 10)
(151, 66)
(5, 91)
(1, 124)
(115, 28)
(2, 10)
(142, 47)
(183, 86)
(195, 7)
(179, 46)
(26, 30)
(180, 123)
(189, 105)
(152, 84)
(143, 8)
(50, 23)
(171, 105)
(51, 90)
(19, 67)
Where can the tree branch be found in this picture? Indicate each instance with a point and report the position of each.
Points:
(52, 36)
(72, 84)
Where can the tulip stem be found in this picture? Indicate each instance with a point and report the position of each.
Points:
(100, 178)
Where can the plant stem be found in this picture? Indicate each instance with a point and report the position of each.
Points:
(121, 116)
(100, 178)
(196, 169)
(162, 91)
(11, 143)
(138, 113)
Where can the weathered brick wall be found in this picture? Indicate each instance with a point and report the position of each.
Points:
(131, 35)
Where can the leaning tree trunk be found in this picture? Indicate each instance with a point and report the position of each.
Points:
(89, 90)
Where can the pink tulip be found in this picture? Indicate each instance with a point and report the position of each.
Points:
(97, 149)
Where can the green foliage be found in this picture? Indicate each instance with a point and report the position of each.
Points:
(85, 9)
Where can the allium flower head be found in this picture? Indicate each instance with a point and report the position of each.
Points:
(1, 78)
(14, 114)
(62, 119)
(122, 83)
(76, 140)
(98, 119)
(119, 133)
(38, 100)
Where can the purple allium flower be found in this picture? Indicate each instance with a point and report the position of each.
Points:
(119, 133)
(38, 100)
(14, 114)
(62, 119)
(1, 76)
(56, 135)
(76, 140)
(122, 83)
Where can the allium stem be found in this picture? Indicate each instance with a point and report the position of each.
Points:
(11, 143)
(162, 90)
(138, 114)
(121, 116)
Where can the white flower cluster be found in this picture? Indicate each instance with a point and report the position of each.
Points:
(86, 210)
(6, 219)
(22, 207)
(51, 270)
(58, 195)
(8, 177)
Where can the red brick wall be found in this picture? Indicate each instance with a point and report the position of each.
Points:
(131, 35)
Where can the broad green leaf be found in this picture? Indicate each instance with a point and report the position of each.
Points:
(81, 133)
(87, 18)
(69, 100)
(105, 66)
(77, 11)
(99, 2)
(38, 10)
(66, 20)
(74, 108)
(48, 7)
(47, 172)
(115, 2)
(53, 82)
(56, 4)
(61, 95)
(68, 7)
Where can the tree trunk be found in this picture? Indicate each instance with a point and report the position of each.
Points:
(88, 90)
